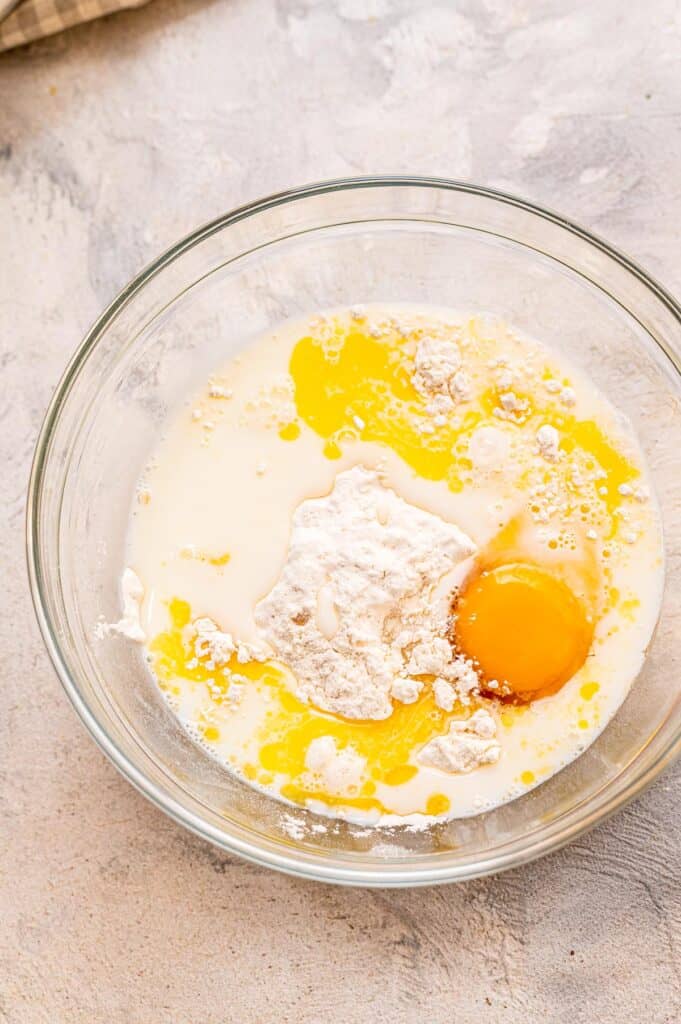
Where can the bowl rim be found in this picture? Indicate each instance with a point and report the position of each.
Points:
(299, 863)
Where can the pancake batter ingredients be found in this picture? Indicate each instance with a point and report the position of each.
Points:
(394, 564)
(359, 558)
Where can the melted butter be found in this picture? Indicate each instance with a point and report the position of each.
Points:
(290, 725)
(438, 803)
(290, 431)
(387, 745)
(358, 378)
(586, 436)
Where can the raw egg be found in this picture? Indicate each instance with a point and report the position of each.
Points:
(524, 628)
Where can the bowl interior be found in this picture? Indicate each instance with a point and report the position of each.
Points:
(419, 242)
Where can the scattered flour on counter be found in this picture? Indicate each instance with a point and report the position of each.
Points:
(468, 745)
(377, 559)
(132, 592)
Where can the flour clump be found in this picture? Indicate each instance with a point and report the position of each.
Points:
(218, 647)
(130, 626)
(468, 745)
(548, 441)
(438, 374)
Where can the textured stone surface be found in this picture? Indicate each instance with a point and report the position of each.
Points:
(117, 138)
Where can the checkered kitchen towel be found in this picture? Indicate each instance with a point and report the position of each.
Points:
(23, 21)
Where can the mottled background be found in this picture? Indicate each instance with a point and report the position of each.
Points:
(116, 139)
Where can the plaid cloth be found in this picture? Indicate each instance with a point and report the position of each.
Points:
(32, 19)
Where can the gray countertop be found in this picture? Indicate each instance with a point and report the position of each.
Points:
(116, 139)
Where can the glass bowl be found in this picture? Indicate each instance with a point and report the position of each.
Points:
(339, 243)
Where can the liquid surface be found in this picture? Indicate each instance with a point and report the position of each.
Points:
(568, 553)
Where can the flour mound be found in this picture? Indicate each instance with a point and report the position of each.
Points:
(371, 560)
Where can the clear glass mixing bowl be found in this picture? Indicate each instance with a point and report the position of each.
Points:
(342, 242)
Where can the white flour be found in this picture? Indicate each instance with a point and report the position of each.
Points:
(438, 375)
(373, 562)
(132, 592)
(217, 648)
(468, 745)
(548, 440)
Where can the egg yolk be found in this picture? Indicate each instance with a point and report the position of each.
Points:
(525, 630)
